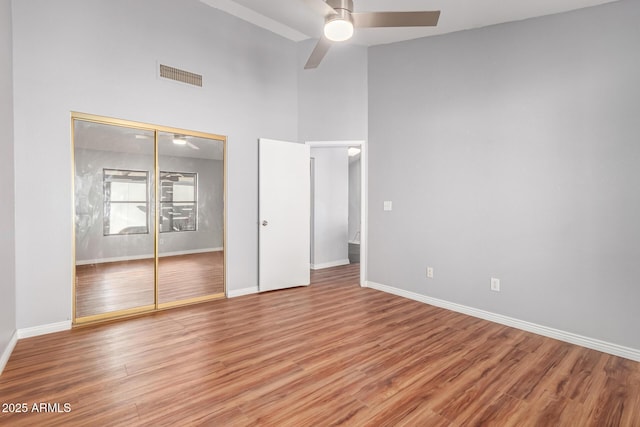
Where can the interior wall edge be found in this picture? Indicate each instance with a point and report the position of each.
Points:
(6, 354)
(8, 304)
(545, 331)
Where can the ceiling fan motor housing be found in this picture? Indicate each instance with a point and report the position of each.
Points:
(339, 5)
(343, 10)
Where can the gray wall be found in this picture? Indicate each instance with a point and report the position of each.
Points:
(7, 195)
(332, 99)
(92, 245)
(512, 151)
(331, 206)
(100, 57)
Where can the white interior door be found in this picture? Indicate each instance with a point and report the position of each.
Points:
(284, 218)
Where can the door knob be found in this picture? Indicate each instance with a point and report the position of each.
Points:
(265, 223)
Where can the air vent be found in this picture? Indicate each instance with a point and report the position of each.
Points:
(180, 75)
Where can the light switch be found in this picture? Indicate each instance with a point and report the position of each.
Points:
(388, 205)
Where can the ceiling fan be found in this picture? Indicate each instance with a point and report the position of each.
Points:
(340, 21)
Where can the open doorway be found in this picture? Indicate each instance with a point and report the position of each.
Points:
(355, 196)
(338, 205)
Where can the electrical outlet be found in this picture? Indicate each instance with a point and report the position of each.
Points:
(495, 284)
(430, 272)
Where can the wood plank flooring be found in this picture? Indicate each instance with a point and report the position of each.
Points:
(328, 354)
(113, 286)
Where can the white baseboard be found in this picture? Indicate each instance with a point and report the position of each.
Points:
(44, 329)
(189, 252)
(6, 354)
(241, 292)
(594, 344)
(330, 264)
(145, 256)
(112, 259)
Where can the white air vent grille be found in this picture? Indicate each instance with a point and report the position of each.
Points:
(180, 75)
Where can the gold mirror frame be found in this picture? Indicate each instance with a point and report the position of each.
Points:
(156, 129)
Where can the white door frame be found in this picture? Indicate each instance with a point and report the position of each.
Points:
(364, 230)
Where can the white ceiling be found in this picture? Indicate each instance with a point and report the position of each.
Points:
(295, 20)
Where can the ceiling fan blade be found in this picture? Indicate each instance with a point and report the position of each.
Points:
(320, 7)
(192, 146)
(396, 19)
(318, 53)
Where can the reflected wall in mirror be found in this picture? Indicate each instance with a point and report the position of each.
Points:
(191, 253)
(149, 217)
(114, 239)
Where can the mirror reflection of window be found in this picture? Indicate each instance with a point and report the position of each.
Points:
(132, 182)
(126, 202)
(178, 202)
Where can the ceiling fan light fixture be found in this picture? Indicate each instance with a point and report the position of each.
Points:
(339, 28)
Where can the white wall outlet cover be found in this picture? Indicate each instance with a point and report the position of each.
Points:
(430, 272)
(495, 284)
(388, 205)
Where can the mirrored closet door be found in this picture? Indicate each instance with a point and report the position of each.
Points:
(149, 217)
(191, 253)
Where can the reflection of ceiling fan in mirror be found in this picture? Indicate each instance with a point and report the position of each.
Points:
(182, 140)
(340, 21)
(171, 176)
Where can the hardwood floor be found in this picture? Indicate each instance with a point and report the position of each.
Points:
(107, 287)
(328, 354)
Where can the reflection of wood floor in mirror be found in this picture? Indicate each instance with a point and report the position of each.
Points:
(113, 286)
